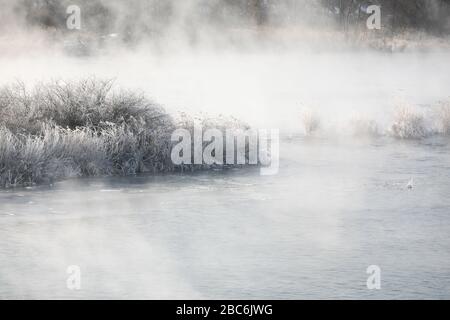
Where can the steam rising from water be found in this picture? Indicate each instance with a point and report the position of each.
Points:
(265, 76)
(265, 89)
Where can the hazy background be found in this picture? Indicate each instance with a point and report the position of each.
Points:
(263, 61)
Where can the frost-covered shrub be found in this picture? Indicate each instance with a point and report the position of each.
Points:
(84, 128)
(408, 124)
(87, 103)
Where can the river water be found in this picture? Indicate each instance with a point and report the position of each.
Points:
(335, 207)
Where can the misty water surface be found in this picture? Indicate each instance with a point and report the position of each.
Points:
(336, 207)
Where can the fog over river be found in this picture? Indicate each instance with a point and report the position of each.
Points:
(363, 180)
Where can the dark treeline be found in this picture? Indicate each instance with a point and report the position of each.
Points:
(142, 16)
(428, 15)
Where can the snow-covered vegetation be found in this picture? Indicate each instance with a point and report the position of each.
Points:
(408, 124)
(85, 128)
